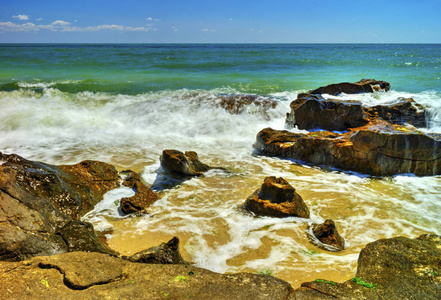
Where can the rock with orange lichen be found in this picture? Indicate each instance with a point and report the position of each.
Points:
(276, 198)
(379, 148)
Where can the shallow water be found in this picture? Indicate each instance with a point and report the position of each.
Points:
(127, 115)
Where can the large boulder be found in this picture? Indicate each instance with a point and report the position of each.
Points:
(237, 104)
(311, 112)
(81, 275)
(40, 205)
(143, 198)
(379, 149)
(276, 198)
(395, 269)
(362, 86)
(326, 236)
(315, 112)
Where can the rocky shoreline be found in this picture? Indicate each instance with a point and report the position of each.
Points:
(46, 250)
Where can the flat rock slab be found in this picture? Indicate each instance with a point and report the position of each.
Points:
(80, 275)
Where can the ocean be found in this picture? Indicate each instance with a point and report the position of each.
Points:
(125, 103)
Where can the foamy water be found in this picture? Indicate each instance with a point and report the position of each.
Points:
(131, 131)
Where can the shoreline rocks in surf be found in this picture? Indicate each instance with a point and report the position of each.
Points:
(276, 198)
(374, 140)
(326, 236)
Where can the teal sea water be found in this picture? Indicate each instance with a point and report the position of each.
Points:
(125, 103)
(248, 68)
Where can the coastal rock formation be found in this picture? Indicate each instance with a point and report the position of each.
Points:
(276, 198)
(362, 86)
(326, 236)
(81, 275)
(404, 110)
(315, 112)
(166, 253)
(379, 149)
(188, 164)
(397, 268)
(40, 205)
(143, 198)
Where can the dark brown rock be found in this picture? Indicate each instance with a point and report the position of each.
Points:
(404, 110)
(276, 198)
(188, 164)
(81, 275)
(315, 112)
(379, 149)
(326, 236)
(166, 253)
(40, 204)
(80, 236)
(143, 198)
(362, 86)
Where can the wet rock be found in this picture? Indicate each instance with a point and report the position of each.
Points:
(276, 198)
(311, 112)
(326, 236)
(362, 86)
(237, 104)
(315, 112)
(404, 110)
(397, 268)
(379, 149)
(80, 236)
(81, 275)
(39, 202)
(166, 253)
(188, 164)
(143, 198)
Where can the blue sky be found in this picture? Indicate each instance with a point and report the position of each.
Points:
(227, 21)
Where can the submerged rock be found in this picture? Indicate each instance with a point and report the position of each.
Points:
(379, 149)
(276, 198)
(362, 86)
(40, 205)
(326, 236)
(81, 275)
(237, 104)
(143, 198)
(315, 112)
(166, 253)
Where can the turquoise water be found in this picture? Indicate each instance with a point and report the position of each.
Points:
(248, 68)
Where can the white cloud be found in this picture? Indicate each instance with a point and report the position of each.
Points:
(210, 30)
(175, 28)
(151, 19)
(21, 17)
(63, 26)
(26, 27)
(39, 19)
(230, 19)
(60, 23)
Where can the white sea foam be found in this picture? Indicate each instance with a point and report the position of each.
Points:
(128, 130)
